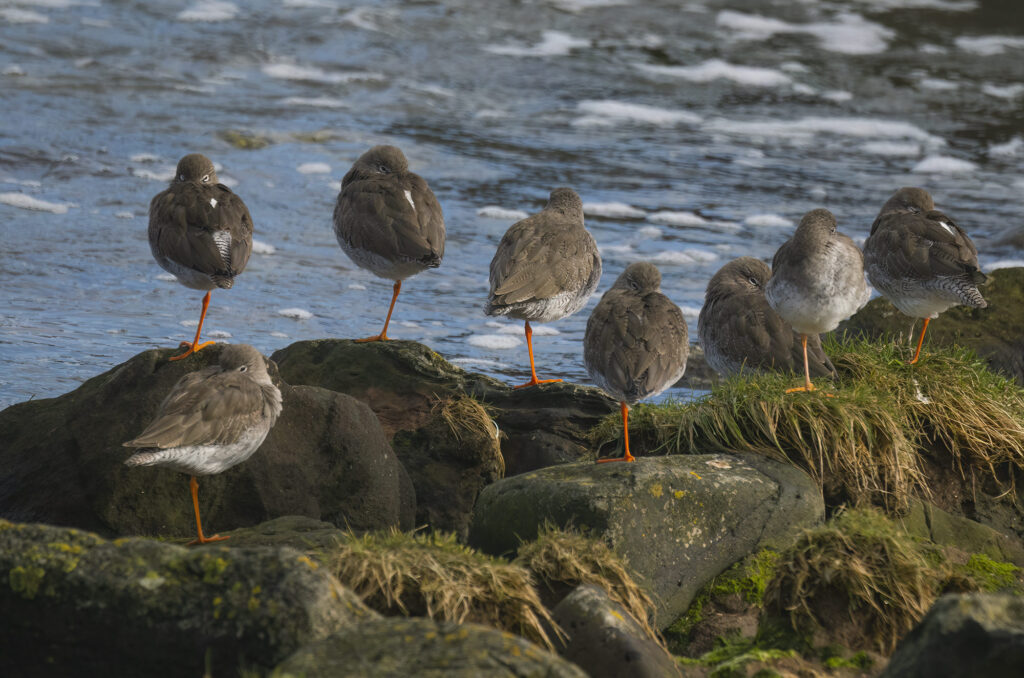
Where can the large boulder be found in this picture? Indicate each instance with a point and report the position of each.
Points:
(996, 333)
(678, 520)
(76, 604)
(964, 636)
(398, 648)
(402, 382)
(605, 640)
(62, 459)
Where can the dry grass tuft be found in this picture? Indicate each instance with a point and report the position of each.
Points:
(471, 420)
(860, 573)
(565, 559)
(432, 575)
(862, 446)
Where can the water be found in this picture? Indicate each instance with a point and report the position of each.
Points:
(695, 133)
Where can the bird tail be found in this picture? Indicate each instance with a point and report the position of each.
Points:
(970, 296)
(223, 279)
(147, 458)
(432, 260)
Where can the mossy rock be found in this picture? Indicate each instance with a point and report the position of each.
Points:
(398, 648)
(996, 333)
(678, 521)
(76, 604)
(927, 521)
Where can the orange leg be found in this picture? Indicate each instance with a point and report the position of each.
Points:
(625, 430)
(194, 484)
(383, 336)
(533, 370)
(195, 345)
(808, 386)
(920, 341)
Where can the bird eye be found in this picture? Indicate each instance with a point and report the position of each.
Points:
(753, 281)
(243, 368)
(206, 178)
(181, 177)
(383, 169)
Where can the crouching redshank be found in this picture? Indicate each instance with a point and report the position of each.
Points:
(546, 268)
(636, 343)
(921, 260)
(817, 280)
(201, 232)
(388, 221)
(211, 420)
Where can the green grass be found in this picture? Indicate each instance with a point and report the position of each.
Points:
(865, 444)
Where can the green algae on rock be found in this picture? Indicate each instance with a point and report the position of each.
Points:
(76, 604)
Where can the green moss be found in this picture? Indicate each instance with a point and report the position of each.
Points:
(733, 654)
(859, 660)
(990, 575)
(213, 568)
(245, 140)
(26, 580)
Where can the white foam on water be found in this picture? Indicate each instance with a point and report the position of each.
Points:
(494, 341)
(315, 74)
(495, 323)
(228, 181)
(260, 247)
(409, 323)
(688, 256)
(313, 168)
(490, 114)
(946, 5)
(939, 84)
(367, 18)
(577, 6)
(34, 183)
(219, 334)
(801, 88)
(690, 311)
(356, 286)
(943, 164)
(1011, 147)
(22, 16)
(315, 102)
(794, 67)
(849, 34)
(552, 43)
(615, 249)
(279, 335)
(296, 313)
(989, 45)
(649, 232)
(501, 213)
(193, 322)
(208, 11)
(767, 221)
(538, 329)
(716, 69)
(144, 157)
(481, 362)
(609, 112)
(166, 277)
(837, 95)
(933, 49)
(1004, 263)
(164, 175)
(13, 70)
(612, 210)
(308, 4)
(892, 148)
(1003, 92)
(809, 126)
(678, 219)
(27, 202)
(124, 215)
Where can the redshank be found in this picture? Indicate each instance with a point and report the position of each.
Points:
(200, 231)
(388, 221)
(546, 268)
(921, 260)
(211, 420)
(739, 331)
(636, 342)
(817, 280)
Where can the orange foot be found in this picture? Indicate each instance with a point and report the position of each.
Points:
(192, 348)
(626, 457)
(535, 381)
(807, 389)
(206, 540)
(376, 337)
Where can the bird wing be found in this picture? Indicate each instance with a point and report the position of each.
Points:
(534, 263)
(377, 216)
(922, 246)
(205, 228)
(639, 344)
(206, 407)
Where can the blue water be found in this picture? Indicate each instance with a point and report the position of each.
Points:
(495, 104)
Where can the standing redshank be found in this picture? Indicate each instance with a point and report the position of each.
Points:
(211, 420)
(388, 221)
(201, 232)
(739, 331)
(636, 342)
(817, 280)
(920, 260)
(546, 268)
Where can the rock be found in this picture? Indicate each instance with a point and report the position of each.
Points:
(399, 648)
(403, 382)
(301, 533)
(996, 333)
(605, 640)
(678, 520)
(326, 458)
(928, 521)
(964, 636)
(75, 604)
